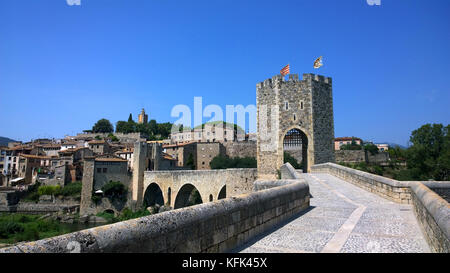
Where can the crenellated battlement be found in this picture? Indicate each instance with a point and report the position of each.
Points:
(317, 78)
(277, 79)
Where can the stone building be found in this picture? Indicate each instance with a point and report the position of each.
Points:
(205, 152)
(99, 147)
(210, 132)
(181, 152)
(339, 141)
(294, 113)
(99, 171)
(142, 118)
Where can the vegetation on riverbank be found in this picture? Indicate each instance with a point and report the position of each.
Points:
(37, 190)
(428, 157)
(16, 227)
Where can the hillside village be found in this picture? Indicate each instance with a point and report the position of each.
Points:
(60, 161)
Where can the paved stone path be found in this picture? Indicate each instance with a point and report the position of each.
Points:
(344, 218)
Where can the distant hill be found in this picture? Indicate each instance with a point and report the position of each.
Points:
(4, 141)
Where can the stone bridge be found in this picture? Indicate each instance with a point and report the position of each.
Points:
(175, 187)
(332, 209)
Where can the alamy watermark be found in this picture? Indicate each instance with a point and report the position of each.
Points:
(374, 2)
(190, 127)
(73, 2)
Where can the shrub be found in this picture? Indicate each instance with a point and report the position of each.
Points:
(224, 162)
(96, 198)
(30, 234)
(49, 190)
(289, 158)
(115, 190)
(127, 214)
(72, 189)
(8, 228)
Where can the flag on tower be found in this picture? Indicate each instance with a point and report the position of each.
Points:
(285, 70)
(318, 62)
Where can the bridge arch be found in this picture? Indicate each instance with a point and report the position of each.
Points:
(222, 193)
(153, 195)
(188, 195)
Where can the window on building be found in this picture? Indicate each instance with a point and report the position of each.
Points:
(104, 170)
(295, 117)
(286, 105)
(99, 170)
(301, 105)
(203, 163)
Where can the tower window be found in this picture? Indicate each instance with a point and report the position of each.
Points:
(295, 117)
(301, 105)
(286, 105)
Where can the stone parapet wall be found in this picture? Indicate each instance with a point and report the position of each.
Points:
(219, 226)
(433, 214)
(431, 210)
(388, 188)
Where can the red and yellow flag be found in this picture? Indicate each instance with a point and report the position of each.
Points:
(285, 70)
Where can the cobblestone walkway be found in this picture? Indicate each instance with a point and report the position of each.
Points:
(344, 218)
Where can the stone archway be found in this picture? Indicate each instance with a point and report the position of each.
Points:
(295, 149)
(153, 196)
(222, 193)
(188, 195)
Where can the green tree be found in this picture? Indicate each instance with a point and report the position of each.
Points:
(103, 126)
(153, 127)
(373, 149)
(130, 118)
(115, 190)
(429, 155)
(224, 162)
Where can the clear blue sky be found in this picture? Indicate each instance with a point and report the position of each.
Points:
(64, 67)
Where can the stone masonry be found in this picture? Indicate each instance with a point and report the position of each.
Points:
(306, 105)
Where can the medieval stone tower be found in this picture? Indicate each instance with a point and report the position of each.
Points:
(294, 114)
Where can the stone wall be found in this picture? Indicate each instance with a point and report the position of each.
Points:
(350, 156)
(33, 208)
(8, 198)
(388, 188)
(433, 213)
(240, 148)
(380, 157)
(219, 226)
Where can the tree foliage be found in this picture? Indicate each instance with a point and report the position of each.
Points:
(103, 126)
(373, 149)
(429, 155)
(289, 158)
(115, 190)
(152, 129)
(352, 146)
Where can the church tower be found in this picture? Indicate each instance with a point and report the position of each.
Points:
(143, 118)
